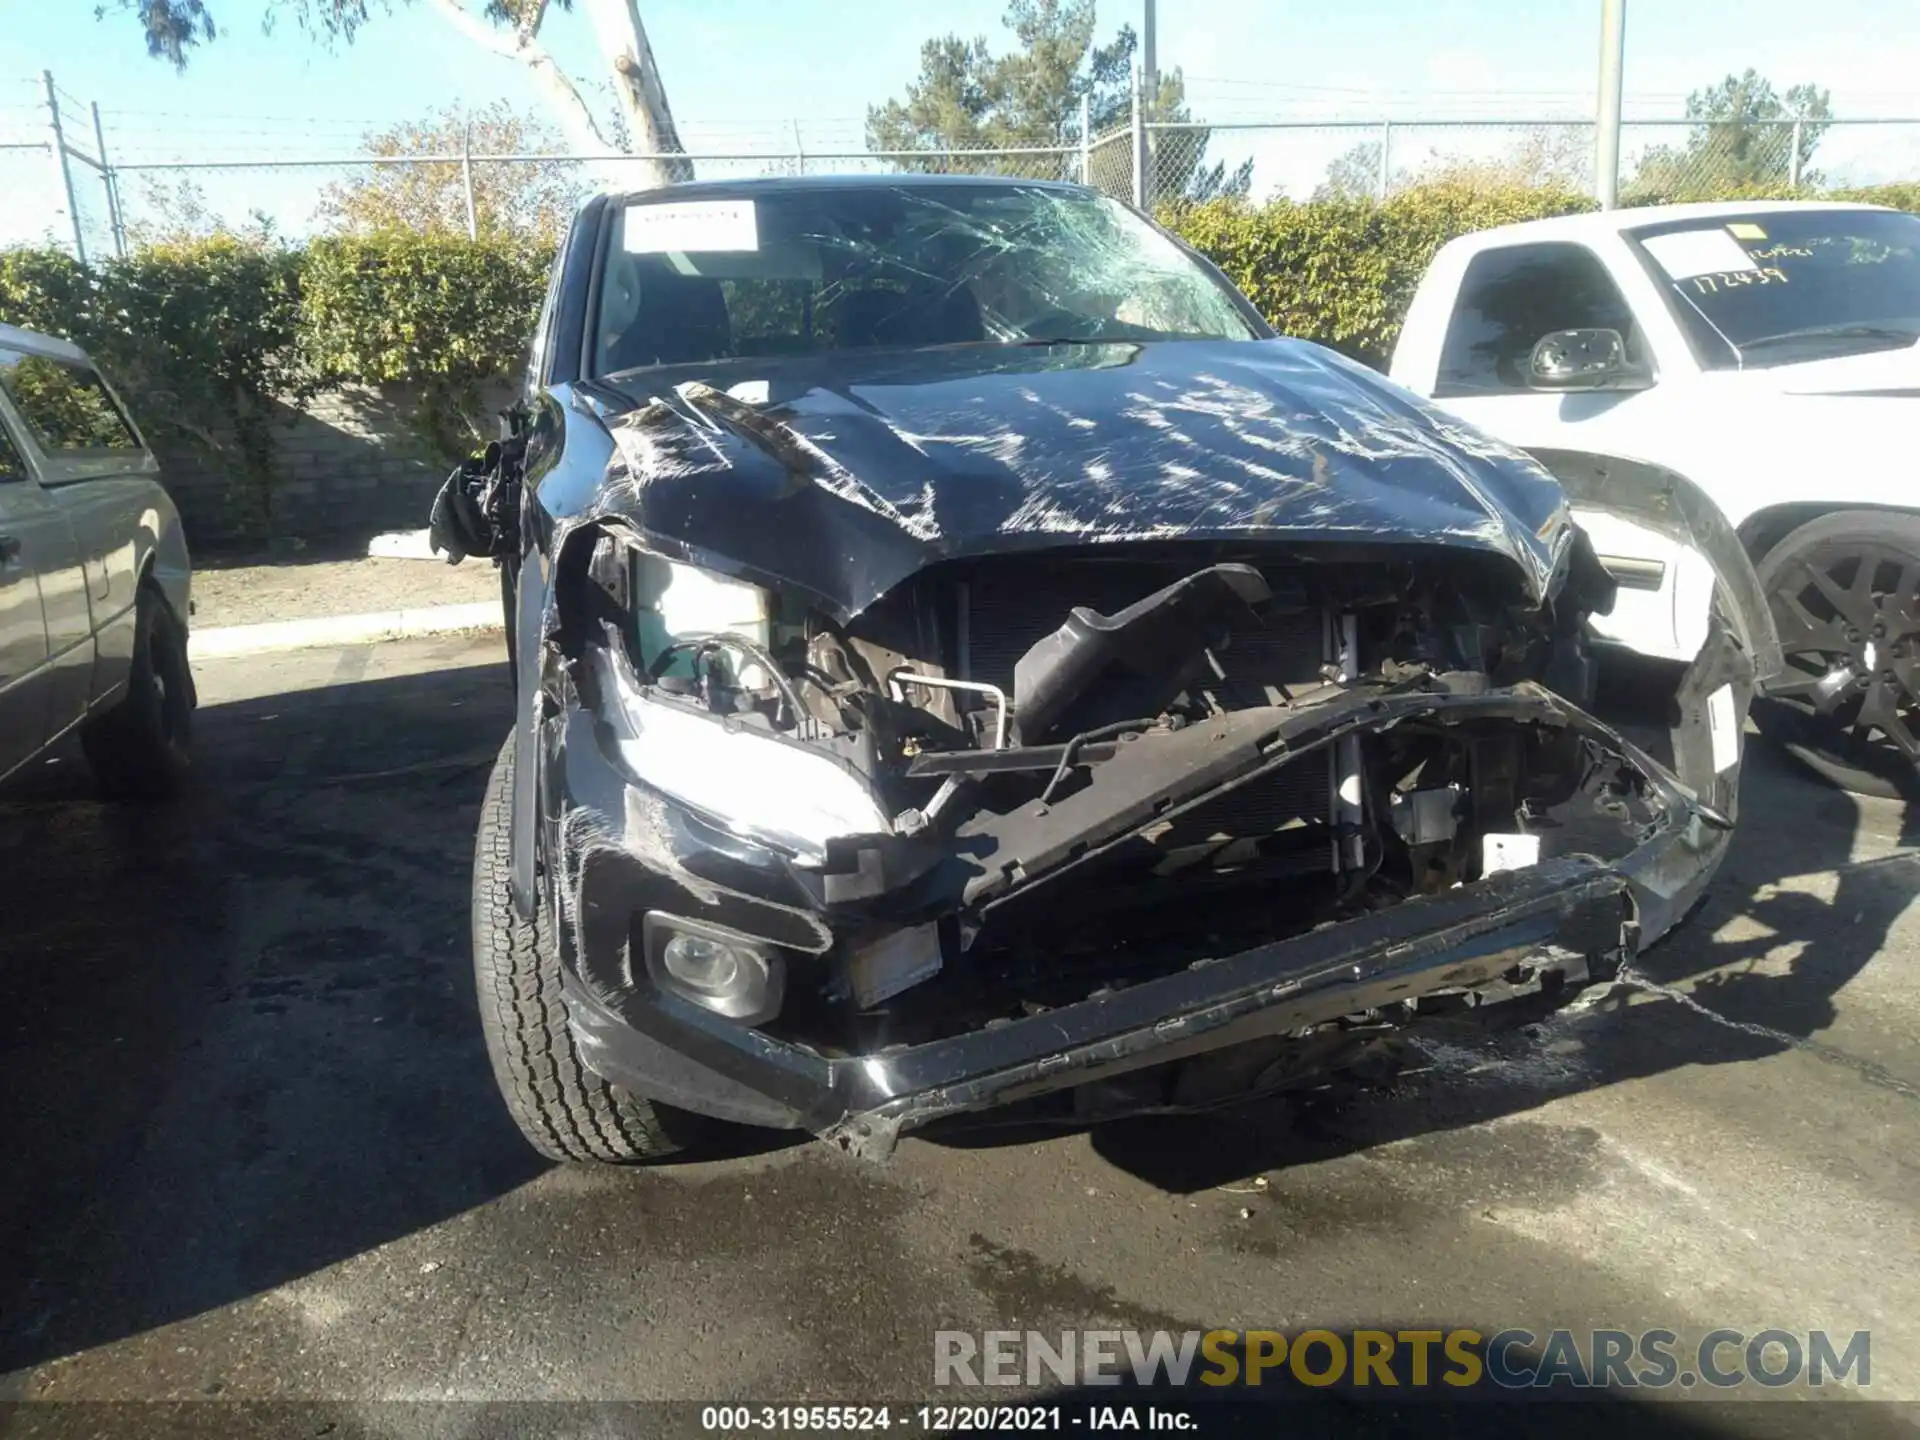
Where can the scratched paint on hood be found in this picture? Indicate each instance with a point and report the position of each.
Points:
(858, 469)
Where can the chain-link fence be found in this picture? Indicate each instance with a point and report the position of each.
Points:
(98, 182)
(52, 165)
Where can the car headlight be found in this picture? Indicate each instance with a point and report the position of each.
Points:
(752, 783)
(673, 602)
(730, 974)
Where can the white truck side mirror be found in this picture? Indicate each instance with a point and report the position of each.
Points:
(1584, 360)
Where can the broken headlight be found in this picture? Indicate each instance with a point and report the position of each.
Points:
(740, 775)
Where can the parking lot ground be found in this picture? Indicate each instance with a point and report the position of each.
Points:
(254, 1151)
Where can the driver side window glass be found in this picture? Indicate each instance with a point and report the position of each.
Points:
(65, 406)
(1509, 298)
(12, 467)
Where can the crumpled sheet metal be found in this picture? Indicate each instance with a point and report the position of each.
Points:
(856, 470)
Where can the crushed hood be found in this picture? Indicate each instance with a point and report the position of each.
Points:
(843, 475)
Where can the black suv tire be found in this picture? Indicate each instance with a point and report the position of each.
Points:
(564, 1109)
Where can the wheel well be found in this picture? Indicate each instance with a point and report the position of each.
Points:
(1761, 531)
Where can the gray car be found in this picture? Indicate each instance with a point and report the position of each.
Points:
(94, 577)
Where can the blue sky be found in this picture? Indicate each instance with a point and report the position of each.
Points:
(740, 72)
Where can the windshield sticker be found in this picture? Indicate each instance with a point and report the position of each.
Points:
(1687, 253)
(708, 225)
(1746, 230)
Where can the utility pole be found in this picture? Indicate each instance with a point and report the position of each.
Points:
(1086, 140)
(111, 184)
(1144, 103)
(466, 181)
(57, 143)
(1149, 51)
(1139, 141)
(1606, 113)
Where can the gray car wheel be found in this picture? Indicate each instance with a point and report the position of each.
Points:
(139, 748)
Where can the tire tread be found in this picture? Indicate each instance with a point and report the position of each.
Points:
(565, 1111)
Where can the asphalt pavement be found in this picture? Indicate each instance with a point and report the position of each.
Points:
(253, 1150)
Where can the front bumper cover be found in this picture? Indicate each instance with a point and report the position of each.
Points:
(1564, 915)
(1572, 919)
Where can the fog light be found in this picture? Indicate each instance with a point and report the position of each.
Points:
(709, 966)
(715, 968)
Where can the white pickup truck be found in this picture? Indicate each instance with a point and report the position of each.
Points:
(1758, 358)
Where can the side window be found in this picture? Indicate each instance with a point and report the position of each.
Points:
(1509, 298)
(12, 467)
(65, 406)
(537, 355)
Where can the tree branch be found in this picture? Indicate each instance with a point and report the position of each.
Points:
(576, 121)
(636, 81)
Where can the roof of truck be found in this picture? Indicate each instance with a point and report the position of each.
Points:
(34, 343)
(880, 180)
(1594, 223)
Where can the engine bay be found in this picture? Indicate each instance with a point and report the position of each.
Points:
(1220, 749)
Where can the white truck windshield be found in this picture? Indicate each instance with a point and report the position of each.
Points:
(1776, 287)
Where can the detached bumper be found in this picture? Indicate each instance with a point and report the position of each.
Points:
(1572, 915)
(1567, 920)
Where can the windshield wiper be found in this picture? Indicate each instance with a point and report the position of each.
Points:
(1878, 337)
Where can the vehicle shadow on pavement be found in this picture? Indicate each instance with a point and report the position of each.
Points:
(241, 1039)
(1753, 972)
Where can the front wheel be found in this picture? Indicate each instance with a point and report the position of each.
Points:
(139, 748)
(565, 1110)
(1845, 595)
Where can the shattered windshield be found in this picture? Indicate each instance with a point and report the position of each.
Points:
(1785, 285)
(815, 271)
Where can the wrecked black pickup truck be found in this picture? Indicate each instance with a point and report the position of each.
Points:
(965, 660)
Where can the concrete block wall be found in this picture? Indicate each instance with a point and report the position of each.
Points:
(347, 466)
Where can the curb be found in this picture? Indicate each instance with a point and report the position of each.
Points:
(322, 630)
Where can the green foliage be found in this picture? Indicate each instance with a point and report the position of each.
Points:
(968, 98)
(524, 197)
(1900, 195)
(1743, 138)
(1342, 271)
(198, 336)
(205, 338)
(441, 312)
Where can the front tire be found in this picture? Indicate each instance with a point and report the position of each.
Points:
(139, 750)
(565, 1111)
(1844, 590)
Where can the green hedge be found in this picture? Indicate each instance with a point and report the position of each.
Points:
(205, 338)
(1342, 272)
(447, 315)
